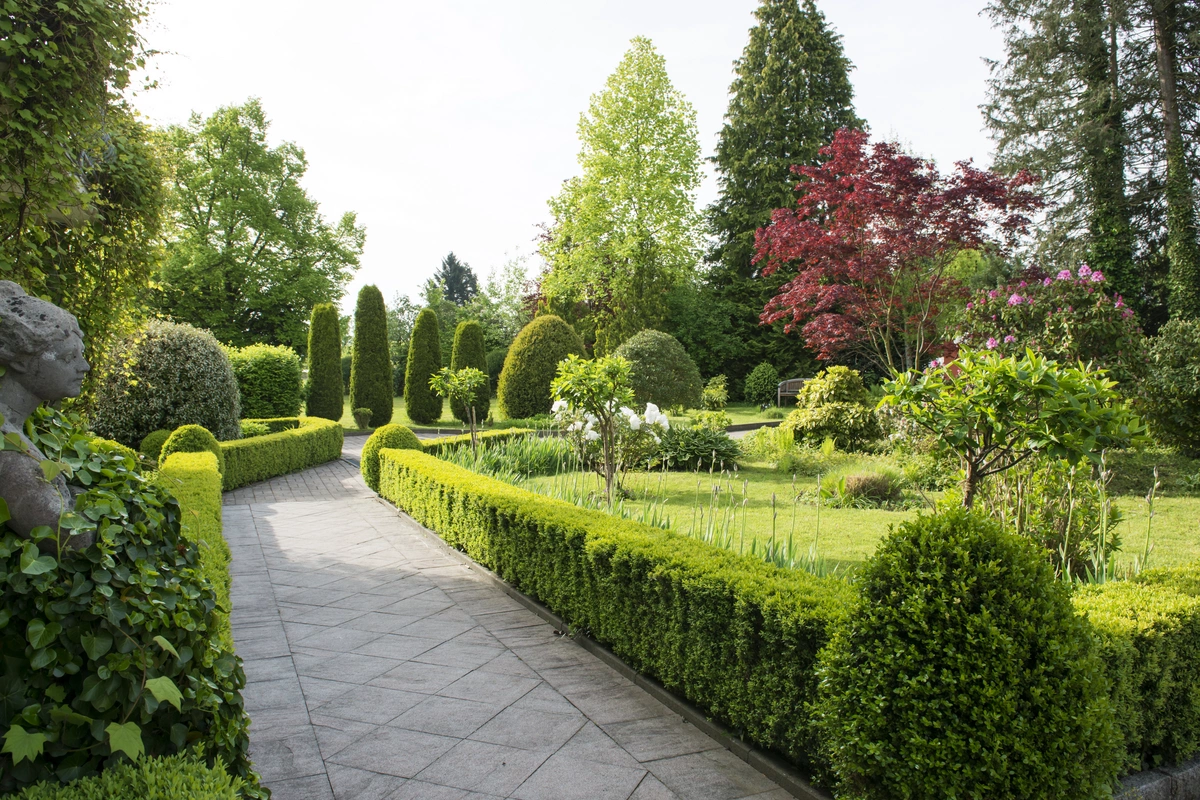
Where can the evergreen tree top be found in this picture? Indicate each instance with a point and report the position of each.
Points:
(457, 280)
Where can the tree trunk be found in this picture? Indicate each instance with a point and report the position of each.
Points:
(970, 484)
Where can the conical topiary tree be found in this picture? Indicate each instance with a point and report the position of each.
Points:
(532, 363)
(470, 351)
(370, 365)
(325, 388)
(424, 359)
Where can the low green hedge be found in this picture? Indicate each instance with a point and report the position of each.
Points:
(195, 482)
(734, 635)
(436, 446)
(169, 778)
(1150, 641)
(276, 424)
(309, 442)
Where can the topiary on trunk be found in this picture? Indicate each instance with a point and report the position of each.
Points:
(424, 360)
(531, 364)
(371, 366)
(470, 351)
(325, 387)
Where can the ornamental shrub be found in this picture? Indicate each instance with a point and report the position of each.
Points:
(193, 439)
(168, 778)
(393, 436)
(152, 444)
(963, 671)
(469, 352)
(291, 446)
(688, 449)
(1172, 389)
(495, 363)
(762, 385)
(325, 383)
(113, 647)
(835, 405)
(1068, 317)
(252, 428)
(661, 371)
(163, 376)
(371, 365)
(424, 361)
(532, 363)
(268, 379)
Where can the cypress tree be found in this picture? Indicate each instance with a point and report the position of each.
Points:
(790, 95)
(370, 365)
(470, 351)
(325, 390)
(424, 359)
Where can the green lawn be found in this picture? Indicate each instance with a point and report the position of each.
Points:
(399, 416)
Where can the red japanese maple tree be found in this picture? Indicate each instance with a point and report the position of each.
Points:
(870, 238)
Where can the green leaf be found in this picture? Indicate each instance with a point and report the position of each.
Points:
(56, 693)
(126, 739)
(34, 564)
(22, 744)
(52, 469)
(97, 644)
(165, 691)
(165, 645)
(40, 634)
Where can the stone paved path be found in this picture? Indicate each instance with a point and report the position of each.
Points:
(379, 667)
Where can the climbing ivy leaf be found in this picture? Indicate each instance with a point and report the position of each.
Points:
(125, 738)
(22, 744)
(97, 644)
(165, 645)
(32, 563)
(164, 690)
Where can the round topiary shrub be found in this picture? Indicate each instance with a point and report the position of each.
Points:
(325, 373)
(1171, 391)
(395, 437)
(193, 439)
(268, 379)
(661, 371)
(835, 405)
(762, 385)
(152, 444)
(524, 389)
(962, 670)
(469, 352)
(424, 359)
(164, 376)
(371, 365)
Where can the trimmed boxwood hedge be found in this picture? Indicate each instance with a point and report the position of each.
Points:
(436, 446)
(304, 443)
(192, 439)
(731, 633)
(167, 778)
(268, 379)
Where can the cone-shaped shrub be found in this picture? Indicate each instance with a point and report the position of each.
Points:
(470, 351)
(325, 387)
(532, 363)
(424, 359)
(371, 367)
(661, 370)
(394, 437)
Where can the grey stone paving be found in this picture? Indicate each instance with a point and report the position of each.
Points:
(379, 667)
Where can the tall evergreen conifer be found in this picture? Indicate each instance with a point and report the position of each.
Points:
(325, 390)
(457, 280)
(424, 359)
(371, 367)
(791, 93)
(470, 351)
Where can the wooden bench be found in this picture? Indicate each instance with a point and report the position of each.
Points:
(789, 388)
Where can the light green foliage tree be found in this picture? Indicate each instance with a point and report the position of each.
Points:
(995, 412)
(248, 252)
(371, 368)
(626, 230)
(325, 388)
(463, 388)
(469, 352)
(503, 304)
(424, 360)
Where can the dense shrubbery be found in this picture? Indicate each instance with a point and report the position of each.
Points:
(532, 362)
(697, 448)
(326, 378)
(762, 385)
(152, 444)
(513, 458)
(661, 371)
(446, 443)
(468, 351)
(193, 439)
(268, 380)
(1171, 392)
(835, 404)
(424, 361)
(495, 363)
(164, 376)
(291, 446)
(371, 367)
(114, 656)
(169, 778)
(252, 428)
(396, 436)
(963, 671)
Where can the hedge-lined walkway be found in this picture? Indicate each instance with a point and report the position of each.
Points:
(379, 667)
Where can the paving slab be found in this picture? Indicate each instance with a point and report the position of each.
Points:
(380, 668)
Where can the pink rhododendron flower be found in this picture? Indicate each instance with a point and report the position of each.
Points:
(1022, 285)
(1097, 276)
(1120, 303)
(1015, 299)
(991, 343)
(992, 294)
(970, 306)
(1084, 271)
(1009, 339)
(1127, 313)
(1065, 275)
(1047, 282)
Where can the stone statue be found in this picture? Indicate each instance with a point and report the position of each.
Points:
(41, 350)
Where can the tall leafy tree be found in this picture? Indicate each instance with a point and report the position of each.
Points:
(325, 390)
(625, 230)
(248, 252)
(457, 280)
(370, 366)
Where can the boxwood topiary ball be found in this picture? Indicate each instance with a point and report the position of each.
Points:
(396, 437)
(152, 444)
(661, 371)
(193, 439)
(531, 364)
(963, 671)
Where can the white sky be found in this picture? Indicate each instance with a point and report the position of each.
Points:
(447, 125)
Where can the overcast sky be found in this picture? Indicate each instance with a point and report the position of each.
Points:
(446, 126)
